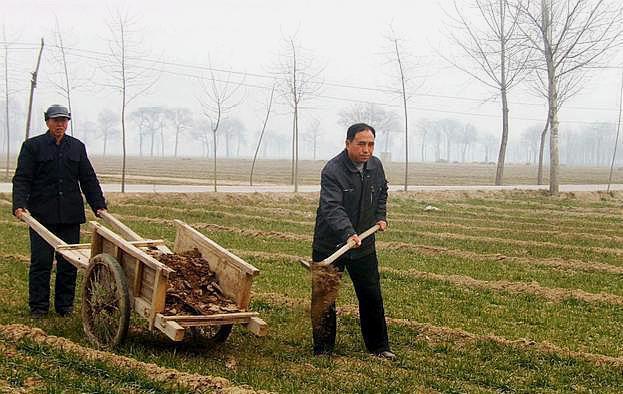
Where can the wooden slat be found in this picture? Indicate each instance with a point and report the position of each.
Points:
(129, 234)
(72, 246)
(170, 328)
(142, 307)
(201, 239)
(76, 258)
(219, 316)
(159, 296)
(120, 228)
(46, 234)
(257, 326)
(234, 275)
(145, 243)
(130, 249)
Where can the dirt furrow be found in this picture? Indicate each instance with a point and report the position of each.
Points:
(552, 294)
(194, 382)
(435, 334)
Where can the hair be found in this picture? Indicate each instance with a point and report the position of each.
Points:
(357, 128)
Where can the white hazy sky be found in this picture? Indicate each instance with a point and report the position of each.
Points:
(346, 38)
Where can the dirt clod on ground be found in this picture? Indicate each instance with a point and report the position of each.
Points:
(193, 288)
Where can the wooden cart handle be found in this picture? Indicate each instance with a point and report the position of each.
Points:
(119, 227)
(46, 234)
(349, 245)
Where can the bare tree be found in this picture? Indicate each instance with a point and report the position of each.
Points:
(403, 73)
(451, 129)
(106, 121)
(6, 101)
(467, 136)
(568, 35)
(127, 69)
(497, 54)
(259, 140)
(182, 119)
(70, 79)
(297, 80)
(488, 142)
(312, 136)
(220, 96)
(424, 128)
(383, 121)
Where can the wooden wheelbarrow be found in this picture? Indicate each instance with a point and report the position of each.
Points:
(121, 276)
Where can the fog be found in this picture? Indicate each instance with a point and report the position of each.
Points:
(180, 47)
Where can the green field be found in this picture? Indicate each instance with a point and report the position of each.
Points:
(495, 292)
(199, 171)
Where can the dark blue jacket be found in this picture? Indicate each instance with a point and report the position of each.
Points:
(350, 203)
(49, 178)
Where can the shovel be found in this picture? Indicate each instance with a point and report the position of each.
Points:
(338, 253)
(325, 284)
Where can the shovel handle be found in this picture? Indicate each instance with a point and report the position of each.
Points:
(349, 245)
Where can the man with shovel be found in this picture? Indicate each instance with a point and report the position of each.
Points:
(353, 199)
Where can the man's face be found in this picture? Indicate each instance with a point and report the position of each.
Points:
(360, 149)
(57, 126)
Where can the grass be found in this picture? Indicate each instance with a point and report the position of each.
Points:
(452, 321)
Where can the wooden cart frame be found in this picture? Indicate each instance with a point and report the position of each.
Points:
(142, 281)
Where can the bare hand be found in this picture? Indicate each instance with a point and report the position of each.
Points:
(382, 225)
(19, 212)
(354, 239)
(99, 212)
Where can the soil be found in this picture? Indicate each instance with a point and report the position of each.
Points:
(193, 287)
(325, 287)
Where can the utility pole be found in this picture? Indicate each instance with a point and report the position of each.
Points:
(33, 85)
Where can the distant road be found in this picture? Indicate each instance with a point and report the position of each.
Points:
(145, 188)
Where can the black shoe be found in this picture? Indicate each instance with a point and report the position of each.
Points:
(65, 312)
(38, 314)
(386, 354)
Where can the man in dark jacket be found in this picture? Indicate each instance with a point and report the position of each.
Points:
(353, 198)
(52, 168)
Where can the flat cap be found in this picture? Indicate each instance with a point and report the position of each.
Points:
(57, 111)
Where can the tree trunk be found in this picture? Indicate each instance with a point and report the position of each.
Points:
(177, 138)
(6, 107)
(541, 150)
(552, 95)
(499, 174)
(214, 150)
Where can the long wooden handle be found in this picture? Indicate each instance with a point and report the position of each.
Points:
(46, 234)
(349, 245)
(119, 227)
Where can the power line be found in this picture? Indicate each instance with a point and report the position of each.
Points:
(101, 56)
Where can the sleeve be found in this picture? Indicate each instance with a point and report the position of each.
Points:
(332, 207)
(22, 180)
(381, 209)
(89, 184)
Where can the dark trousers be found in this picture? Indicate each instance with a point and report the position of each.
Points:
(41, 258)
(364, 273)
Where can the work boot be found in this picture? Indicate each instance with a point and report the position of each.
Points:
(386, 354)
(65, 312)
(38, 314)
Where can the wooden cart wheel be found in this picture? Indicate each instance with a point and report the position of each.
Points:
(210, 335)
(207, 335)
(105, 302)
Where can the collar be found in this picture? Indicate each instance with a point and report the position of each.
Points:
(369, 165)
(51, 140)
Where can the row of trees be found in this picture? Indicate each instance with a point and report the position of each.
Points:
(546, 43)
